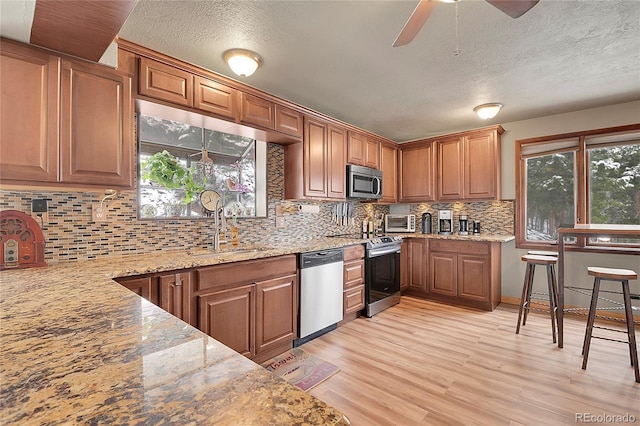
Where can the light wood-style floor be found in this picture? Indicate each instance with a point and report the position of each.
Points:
(423, 363)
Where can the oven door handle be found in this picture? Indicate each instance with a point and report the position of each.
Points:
(382, 251)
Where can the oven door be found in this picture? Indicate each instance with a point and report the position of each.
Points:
(382, 279)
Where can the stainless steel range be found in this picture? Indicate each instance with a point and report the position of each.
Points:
(382, 274)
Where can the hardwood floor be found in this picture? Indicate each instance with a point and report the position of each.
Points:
(423, 363)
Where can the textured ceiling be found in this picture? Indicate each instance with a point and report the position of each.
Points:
(336, 56)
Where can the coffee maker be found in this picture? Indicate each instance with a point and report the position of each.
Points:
(463, 225)
(445, 222)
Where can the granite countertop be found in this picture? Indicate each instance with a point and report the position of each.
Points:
(77, 347)
(487, 238)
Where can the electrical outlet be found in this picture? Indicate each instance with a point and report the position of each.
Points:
(98, 214)
(40, 210)
(279, 221)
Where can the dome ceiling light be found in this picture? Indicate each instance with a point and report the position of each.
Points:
(242, 62)
(487, 111)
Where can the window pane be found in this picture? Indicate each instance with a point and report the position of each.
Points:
(550, 195)
(614, 186)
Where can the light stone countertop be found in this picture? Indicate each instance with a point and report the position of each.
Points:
(78, 348)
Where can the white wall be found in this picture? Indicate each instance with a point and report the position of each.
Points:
(576, 263)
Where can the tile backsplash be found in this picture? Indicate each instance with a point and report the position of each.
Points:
(71, 234)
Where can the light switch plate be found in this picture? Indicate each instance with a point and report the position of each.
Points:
(279, 221)
(98, 214)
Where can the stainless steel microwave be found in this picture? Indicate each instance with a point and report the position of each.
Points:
(364, 182)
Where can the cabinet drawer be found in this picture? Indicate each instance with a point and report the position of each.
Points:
(353, 252)
(463, 247)
(245, 272)
(353, 273)
(353, 299)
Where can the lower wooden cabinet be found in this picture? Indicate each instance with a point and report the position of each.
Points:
(353, 279)
(142, 286)
(276, 307)
(416, 273)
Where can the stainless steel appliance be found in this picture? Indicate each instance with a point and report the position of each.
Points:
(400, 223)
(382, 274)
(476, 227)
(321, 276)
(426, 223)
(445, 222)
(364, 183)
(463, 225)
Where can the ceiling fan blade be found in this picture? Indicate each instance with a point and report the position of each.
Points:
(416, 21)
(513, 8)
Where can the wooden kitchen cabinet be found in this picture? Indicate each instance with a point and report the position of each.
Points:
(215, 98)
(257, 111)
(353, 281)
(165, 82)
(250, 306)
(417, 173)
(316, 168)
(175, 293)
(417, 266)
(389, 167)
(404, 265)
(465, 273)
(146, 287)
(356, 148)
(64, 121)
(289, 121)
(372, 153)
(469, 165)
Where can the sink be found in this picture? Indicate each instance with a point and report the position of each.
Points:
(226, 251)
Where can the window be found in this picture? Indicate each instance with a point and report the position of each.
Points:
(586, 177)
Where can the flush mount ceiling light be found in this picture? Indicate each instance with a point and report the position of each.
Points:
(242, 62)
(487, 111)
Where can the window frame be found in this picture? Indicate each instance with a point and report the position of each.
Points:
(582, 189)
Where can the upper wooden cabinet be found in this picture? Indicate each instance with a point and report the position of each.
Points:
(469, 165)
(164, 82)
(215, 97)
(363, 150)
(257, 111)
(389, 167)
(316, 168)
(64, 121)
(29, 109)
(417, 173)
(288, 121)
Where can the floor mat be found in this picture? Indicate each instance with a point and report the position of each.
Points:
(300, 369)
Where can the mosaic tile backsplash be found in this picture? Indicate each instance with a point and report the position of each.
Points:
(71, 234)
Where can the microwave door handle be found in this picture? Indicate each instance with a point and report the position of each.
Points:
(377, 186)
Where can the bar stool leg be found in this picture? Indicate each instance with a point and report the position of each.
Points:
(633, 350)
(529, 291)
(552, 311)
(523, 298)
(590, 321)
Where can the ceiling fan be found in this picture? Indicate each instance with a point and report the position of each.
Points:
(513, 8)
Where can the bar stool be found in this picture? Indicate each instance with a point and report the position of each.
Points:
(527, 289)
(623, 276)
(543, 253)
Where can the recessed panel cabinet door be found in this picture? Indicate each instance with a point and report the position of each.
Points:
(417, 173)
(474, 277)
(388, 165)
(450, 169)
(337, 163)
(29, 108)
(444, 273)
(228, 317)
(275, 312)
(175, 289)
(481, 170)
(315, 158)
(96, 126)
(215, 97)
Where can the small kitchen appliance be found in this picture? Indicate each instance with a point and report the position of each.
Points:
(400, 223)
(476, 227)
(463, 225)
(445, 222)
(363, 183)
(426, 223)
(21, 241)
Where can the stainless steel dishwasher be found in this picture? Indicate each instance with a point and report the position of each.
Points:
(321, 276)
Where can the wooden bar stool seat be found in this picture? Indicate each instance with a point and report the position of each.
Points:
(543, 253)
(549, 262)
(623, 276)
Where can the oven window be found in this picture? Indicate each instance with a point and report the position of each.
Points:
(383, 276)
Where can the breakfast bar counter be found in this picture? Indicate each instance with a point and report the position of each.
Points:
(78, 348)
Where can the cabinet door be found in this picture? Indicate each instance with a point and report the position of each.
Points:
(481, 169)
(417, 254)
(450, 169)
(96, 126)
(404, 265)
(315, 158)
(443, 271)
(216, 98)
(388, 165)
(257, 111)
(474, 277)
(356, 148)
(417, 173)
(337, 163)
(372, 153)
(353, 273)
(29, 113)
(175, 293)
(353, 299)
(289, 121)
(276, 312)
(142, 286)
(228, 317)
(165, 82)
